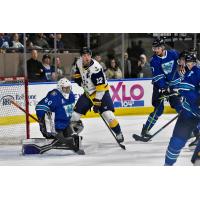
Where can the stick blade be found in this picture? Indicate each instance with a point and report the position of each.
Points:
(122, 146)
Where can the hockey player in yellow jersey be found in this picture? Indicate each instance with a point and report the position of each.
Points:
(89, 75)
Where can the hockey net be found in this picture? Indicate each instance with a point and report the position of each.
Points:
(14, 123)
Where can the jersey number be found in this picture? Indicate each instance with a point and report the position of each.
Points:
(99, 80)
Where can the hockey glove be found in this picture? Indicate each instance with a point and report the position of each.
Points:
(96, 105)
(166, 94)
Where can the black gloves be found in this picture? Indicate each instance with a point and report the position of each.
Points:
(96, 105)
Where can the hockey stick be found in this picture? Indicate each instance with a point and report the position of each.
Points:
(18, 106)
(155, 114)
(167, 96)
(121, 145)
(143, 139)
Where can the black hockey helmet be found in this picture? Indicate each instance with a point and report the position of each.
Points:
(158, 43)
(183, 54)
(85, 50)
(191, 57)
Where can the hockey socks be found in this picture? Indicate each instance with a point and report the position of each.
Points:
(114, 125)
(152, 119)
(173, 150)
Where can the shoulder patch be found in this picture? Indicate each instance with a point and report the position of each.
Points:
(53, 93)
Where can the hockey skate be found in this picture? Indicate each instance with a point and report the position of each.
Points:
(193, 144)
(145, 132)
(120, 137)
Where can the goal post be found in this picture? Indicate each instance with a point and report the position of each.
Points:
(14, 124)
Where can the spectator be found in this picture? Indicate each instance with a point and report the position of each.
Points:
(34, 67)
(40, 41)
(98, 59)
(30, 46)
(113, 71)
(4, 41)
(136, 50)
(127, 66)
(48, 70)
(139, 50)
(60, 70)
(135, 68)
(59, 42)
(73, 69)
(15, 44)
(146, 69)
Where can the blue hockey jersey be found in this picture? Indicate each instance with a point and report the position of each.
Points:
(47, 73)
(57, 103)
(189, 88)
(164, 69)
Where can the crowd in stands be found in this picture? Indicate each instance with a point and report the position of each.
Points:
(45, 70)
(136, 64)
(13, 42)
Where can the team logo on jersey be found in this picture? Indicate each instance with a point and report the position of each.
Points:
(168, 66)
(96, 69)
(53, 93)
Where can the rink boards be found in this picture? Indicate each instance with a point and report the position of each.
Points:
(130, 97)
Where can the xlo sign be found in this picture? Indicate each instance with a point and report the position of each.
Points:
(135, 92)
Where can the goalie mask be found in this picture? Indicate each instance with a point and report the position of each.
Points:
(64, 86)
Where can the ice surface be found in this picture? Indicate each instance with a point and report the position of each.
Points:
(101, 148)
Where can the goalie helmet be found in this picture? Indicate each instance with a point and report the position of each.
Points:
(64, 86)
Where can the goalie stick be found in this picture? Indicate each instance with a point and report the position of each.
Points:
(18, 106)
(146, 139)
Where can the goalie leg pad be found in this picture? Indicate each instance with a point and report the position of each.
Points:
(29, 149)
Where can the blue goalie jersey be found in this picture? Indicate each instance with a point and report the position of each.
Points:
(57, 103)
(164, 69)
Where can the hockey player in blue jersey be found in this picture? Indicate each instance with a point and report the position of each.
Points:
(60, 103)
(182, 70)
(189, 117)
(165, 77)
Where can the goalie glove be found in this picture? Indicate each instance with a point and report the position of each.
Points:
(96, 105)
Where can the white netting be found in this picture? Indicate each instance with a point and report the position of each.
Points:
(12, 119)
